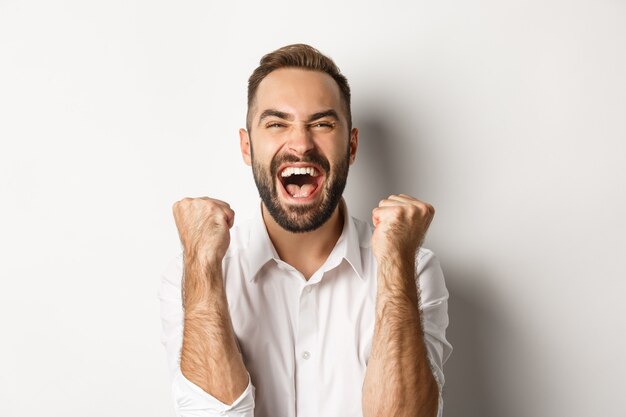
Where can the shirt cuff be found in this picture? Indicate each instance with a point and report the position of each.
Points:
(192, 401)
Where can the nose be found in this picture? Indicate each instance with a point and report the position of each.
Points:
(300, 140)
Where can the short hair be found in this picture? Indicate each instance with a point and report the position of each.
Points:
(298, 56)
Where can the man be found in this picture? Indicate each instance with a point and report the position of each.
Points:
(303, 310)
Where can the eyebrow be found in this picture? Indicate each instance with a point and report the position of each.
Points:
(327, 113)
(287, 116)
(275, 113)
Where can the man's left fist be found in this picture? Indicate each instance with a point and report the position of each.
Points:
(400, 224)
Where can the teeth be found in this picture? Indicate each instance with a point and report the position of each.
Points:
(289, 171)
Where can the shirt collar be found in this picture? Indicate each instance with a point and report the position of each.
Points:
(261, 250)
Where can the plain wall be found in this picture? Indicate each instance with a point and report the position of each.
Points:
(507, 116)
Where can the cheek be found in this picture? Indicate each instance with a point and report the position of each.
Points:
(261, 155)
(266, 148)
(338, 155)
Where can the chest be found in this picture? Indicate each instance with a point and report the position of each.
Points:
(305, 341)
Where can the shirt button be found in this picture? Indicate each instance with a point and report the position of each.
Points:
(306, 355)
(307, 290)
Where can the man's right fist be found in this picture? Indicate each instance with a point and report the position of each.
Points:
(203, 226)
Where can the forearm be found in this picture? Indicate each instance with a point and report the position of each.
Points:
(398, 380)
(210, 357)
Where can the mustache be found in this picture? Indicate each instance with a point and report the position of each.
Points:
(312, 158)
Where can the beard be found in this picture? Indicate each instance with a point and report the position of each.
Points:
(301, 218)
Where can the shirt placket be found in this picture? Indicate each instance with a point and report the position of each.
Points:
(306, 355)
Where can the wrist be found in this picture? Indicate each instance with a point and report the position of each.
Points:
(396, 259)
(395, 252)
(203, 261)
(397, 273)
(202, 282)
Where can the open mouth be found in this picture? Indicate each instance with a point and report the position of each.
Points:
(301, 182)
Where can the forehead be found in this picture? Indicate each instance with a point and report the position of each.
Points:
(297, 91)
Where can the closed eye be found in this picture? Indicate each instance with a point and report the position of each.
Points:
(274, 125)
(323, 125)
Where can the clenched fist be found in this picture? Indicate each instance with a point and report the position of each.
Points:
(400, 224)
(203, 226)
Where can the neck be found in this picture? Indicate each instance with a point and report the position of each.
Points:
(309, 250)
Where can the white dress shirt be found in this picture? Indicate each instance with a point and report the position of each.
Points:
(305, 344)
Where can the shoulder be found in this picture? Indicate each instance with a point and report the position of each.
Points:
(239, 238)
(430, 276)
(364, 232)
(426, 261)
(172, 272)
(424, 254)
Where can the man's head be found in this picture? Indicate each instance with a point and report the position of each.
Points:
(297, 56)
(299, 137)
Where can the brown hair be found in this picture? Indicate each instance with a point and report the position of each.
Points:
(298, 56)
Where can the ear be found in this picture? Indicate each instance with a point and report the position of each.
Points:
(244, 144)
(354, 144)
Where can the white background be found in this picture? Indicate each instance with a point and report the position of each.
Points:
(507, 116)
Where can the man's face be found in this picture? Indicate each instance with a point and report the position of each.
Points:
(299, 147)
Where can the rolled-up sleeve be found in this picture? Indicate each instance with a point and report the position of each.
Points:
(192, 401)
(189, 399)
(434, 308)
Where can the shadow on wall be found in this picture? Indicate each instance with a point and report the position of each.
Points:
(471, 380)
(372, 177)
(469, 385)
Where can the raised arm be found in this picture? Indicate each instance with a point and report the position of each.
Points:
(210, 357)
(399, 381)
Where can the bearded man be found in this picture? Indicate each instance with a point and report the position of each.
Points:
(304, 311)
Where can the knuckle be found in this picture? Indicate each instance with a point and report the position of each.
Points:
(181, 204)
(421, 206)
(412, 211)
(397, 210)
